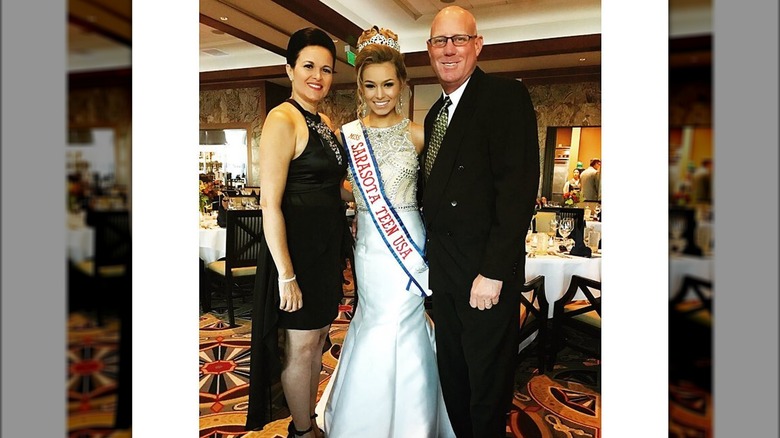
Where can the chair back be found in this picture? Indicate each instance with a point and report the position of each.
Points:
(542, 220)
(584, 316)
(534, 309)
(578, 234)
(698, 306)
(686, 218)
(559, 212)
(592, 291)
(240, 200)
(533, 306)
(243, 235)
(113, 243)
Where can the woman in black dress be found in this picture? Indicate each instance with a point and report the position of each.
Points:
(299, 276)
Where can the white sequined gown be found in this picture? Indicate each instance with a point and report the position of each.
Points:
(386, 383)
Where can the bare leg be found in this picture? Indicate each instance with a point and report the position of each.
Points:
(316, 368)
(303, 347)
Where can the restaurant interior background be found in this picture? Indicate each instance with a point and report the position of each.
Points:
(567, 95)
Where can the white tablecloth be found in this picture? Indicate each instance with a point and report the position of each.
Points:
(557, 273)
(596, 225)
(682, 265)
(81, 238)
(212, 243)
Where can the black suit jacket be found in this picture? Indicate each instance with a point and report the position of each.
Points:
(478, 202)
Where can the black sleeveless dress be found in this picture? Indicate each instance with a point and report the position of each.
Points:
(315, 224)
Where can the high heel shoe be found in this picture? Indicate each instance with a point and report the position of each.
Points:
(314, 424)
(292, 432)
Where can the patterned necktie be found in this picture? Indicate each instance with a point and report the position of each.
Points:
(439, 127)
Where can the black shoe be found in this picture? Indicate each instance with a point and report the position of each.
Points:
(292, 432)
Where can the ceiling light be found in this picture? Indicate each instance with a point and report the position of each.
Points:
(582, 59)
(223, 18)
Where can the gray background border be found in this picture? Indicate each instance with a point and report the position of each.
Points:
(33, 219)
(33, 271)
(745, 77)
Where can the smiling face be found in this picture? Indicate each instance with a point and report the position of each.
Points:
(576, 173)
(380, 88)
(452, 64)
(312, 75)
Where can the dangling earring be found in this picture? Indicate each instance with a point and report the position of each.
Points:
(400, 106)
(362, 109)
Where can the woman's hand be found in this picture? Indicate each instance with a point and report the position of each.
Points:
(290, 296)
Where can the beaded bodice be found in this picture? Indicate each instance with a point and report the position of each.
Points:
(396, 159)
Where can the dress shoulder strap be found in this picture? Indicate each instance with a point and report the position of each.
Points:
(307, 115)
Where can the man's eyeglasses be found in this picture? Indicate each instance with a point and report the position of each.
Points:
(457, 40)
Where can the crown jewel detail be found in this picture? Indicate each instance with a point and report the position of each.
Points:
(380, 39)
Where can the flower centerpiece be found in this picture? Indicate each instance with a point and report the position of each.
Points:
(681, 198)
(571, 198)
(207, 194)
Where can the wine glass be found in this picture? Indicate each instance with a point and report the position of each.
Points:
(565, 228)
(597, 211)
(676, 229)
(552, 231)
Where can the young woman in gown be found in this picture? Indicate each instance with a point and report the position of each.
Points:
(573, 184)
(386, 382)
(298, 284)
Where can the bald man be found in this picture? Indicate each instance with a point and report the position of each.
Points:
(478, 191)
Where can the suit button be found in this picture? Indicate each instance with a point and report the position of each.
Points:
(454, 203)
(461, 167)
(449, 233)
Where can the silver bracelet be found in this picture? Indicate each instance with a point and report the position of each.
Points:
(287, 280)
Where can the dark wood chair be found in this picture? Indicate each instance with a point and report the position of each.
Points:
(236, 272)
(105, 279)
(534, 309)
(693, 300)
(582, 316)
(690, 332)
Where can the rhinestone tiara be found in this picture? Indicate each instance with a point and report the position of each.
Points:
(380, 39)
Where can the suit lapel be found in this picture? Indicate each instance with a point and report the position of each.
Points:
(451, 144)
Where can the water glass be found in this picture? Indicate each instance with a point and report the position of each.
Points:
(593, 240)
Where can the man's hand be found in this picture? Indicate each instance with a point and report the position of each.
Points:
(485, 292)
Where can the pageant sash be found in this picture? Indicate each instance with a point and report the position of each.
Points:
(366, 175)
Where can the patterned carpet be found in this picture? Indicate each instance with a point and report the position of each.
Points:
(690, 378)
(564, 402)
(92, 354)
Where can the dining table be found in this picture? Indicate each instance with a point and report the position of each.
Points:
(80, 237)
(682, 265)
(212, 239)
(557, 269)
